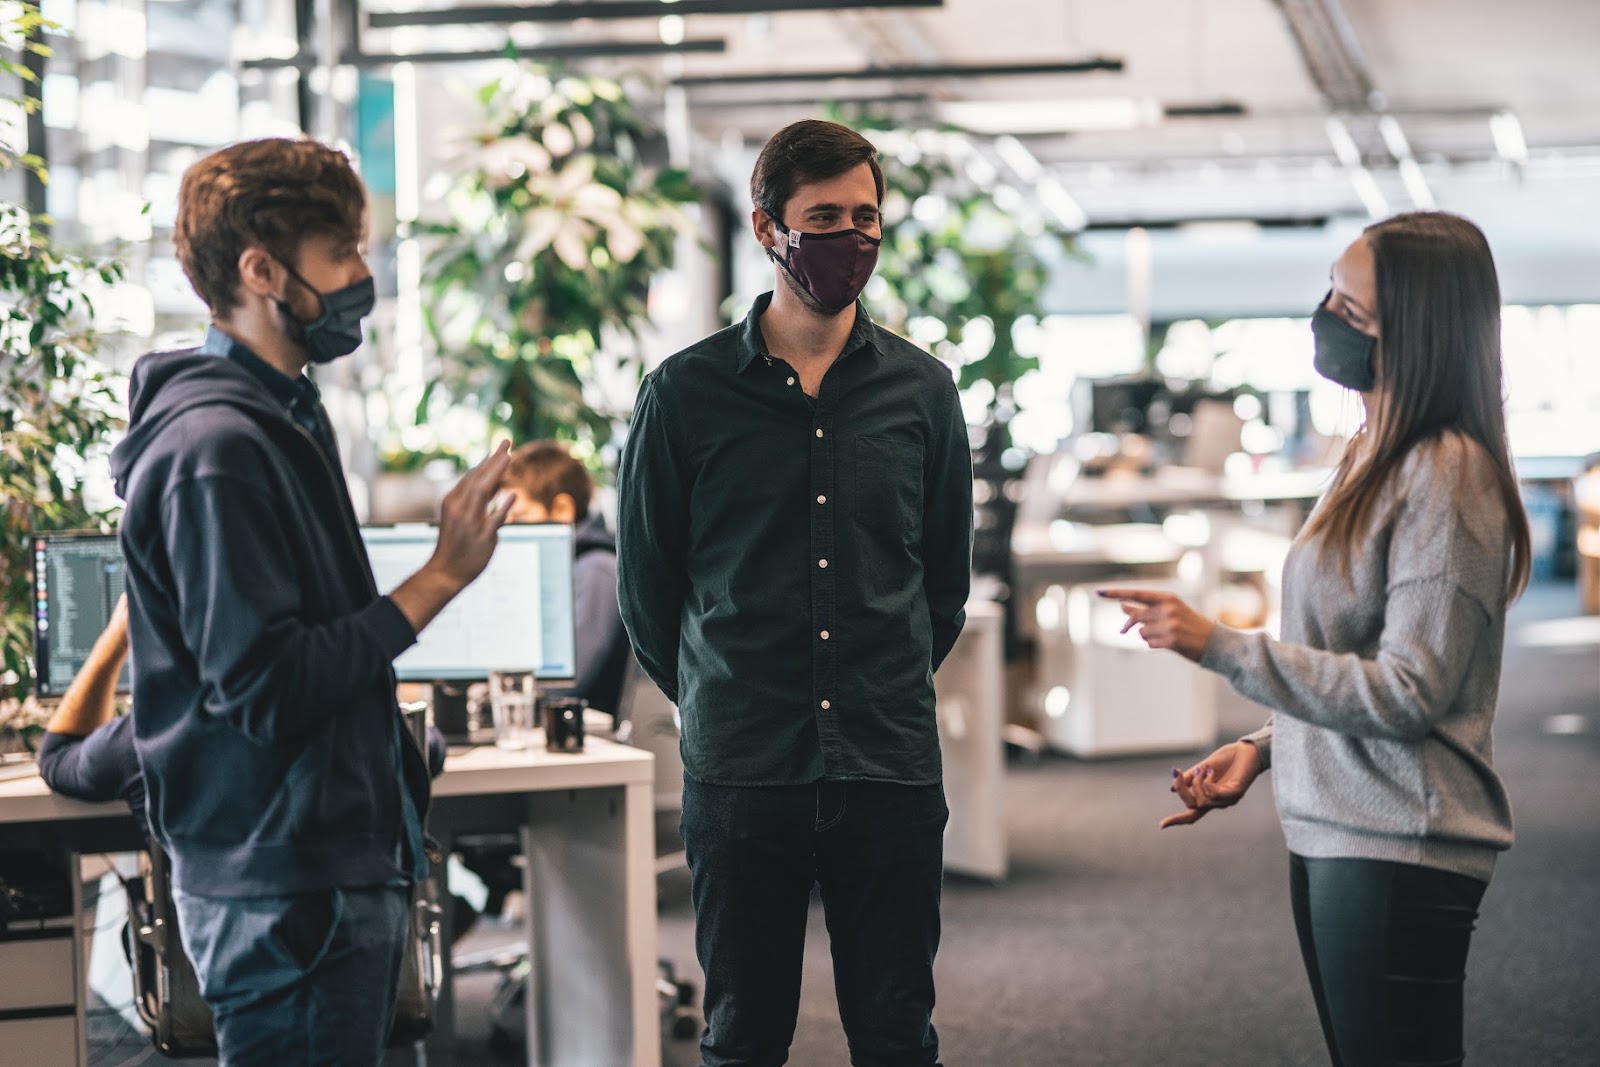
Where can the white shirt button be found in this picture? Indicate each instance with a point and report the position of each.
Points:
(824, 635)
(822, 500)
(826, 705)
(791, 381)
(822, 563)
(819, 432)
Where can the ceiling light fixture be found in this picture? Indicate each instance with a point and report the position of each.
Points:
(1411, 175)
(890, 73)
(1366, 186)
(1221, 109)
(1506, 129)
(567, 12)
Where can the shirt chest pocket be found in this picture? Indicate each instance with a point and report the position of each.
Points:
(888, 487)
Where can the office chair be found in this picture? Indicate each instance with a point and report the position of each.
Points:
(166, 991)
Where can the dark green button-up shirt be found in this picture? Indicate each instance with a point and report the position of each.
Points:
(792, 571)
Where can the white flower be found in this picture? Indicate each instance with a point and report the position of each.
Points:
(573, 209)
(559, 139)
(505, 160)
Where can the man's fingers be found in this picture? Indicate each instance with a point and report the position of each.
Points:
(481, 483)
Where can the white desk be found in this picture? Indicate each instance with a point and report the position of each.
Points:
(588, 830)
(970, 689)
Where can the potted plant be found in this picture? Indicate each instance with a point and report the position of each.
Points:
(557, 226)
(58, 405)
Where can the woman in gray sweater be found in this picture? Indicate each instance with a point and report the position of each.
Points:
(1383, 684)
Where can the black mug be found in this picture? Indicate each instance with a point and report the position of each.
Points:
(563, 723)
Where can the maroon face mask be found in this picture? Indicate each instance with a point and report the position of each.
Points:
(832, 267)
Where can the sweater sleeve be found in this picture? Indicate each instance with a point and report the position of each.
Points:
(1446, 563)
(239, 606)
(99, 767)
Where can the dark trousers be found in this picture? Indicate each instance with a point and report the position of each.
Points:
(303, 979)
(877, 852)
(1385, 946)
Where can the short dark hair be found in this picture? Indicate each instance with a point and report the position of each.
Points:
(274, 192)
(806, 152)
(546, 469)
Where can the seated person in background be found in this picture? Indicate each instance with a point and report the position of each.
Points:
(549, 485)
(87, 752)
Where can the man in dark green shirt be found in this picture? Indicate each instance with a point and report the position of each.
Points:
(795, 535)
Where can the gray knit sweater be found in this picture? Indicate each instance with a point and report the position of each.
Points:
(1383, 686)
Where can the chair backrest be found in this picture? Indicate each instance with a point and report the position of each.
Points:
(654, 727)
(166, 991)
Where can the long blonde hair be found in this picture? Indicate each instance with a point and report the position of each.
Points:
(1438, 369)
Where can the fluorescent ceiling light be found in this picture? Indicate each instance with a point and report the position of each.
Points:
(1372, 197)
(1394, 137)
(1509, 141)
(1344, 146)
(1052, 116)
(1416, 185)
(1014, 154)
(1054, 196)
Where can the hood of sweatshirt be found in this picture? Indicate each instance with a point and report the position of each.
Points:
(164, 385)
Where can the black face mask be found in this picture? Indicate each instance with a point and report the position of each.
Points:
(832, 267)
(1343, 354)
(337, 331)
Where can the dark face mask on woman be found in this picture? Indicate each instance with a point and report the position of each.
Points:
(1343, 354)
(832, 267)
(337, 331)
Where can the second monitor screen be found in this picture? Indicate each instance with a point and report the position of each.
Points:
(518, 615)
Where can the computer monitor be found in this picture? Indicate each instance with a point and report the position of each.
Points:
(77, 578)
(518, 615)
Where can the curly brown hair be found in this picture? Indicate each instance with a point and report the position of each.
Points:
(546, 469)
(275, 193)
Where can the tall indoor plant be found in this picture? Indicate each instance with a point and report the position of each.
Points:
(58, 404)
(557, 226)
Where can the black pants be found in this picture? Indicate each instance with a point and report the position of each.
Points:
(877, 852)
(1385, 946)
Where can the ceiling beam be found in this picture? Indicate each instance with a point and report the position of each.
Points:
(908, 72)
(575, 50)
(572, 10)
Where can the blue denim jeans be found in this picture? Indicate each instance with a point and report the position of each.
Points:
(1385, 946)
(877, 852)
(308, 978)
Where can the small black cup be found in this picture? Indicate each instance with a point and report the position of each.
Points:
(563, 723)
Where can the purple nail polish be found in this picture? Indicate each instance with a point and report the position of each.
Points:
(1176, 773)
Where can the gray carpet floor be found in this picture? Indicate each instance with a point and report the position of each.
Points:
(1113, 943)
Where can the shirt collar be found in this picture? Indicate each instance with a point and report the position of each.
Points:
(286, 390)
(752, 344)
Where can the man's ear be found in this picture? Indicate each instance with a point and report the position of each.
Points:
(767, 231)
(260, 273)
